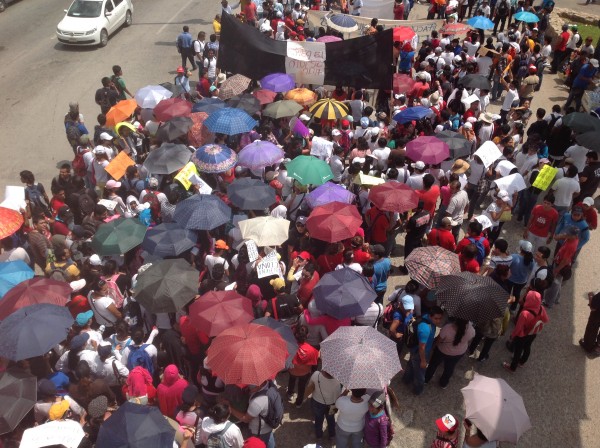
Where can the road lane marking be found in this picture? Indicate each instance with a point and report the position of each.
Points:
(161, 29)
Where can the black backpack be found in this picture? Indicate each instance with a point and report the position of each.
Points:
(580, 41)
(549, 278)
(275, 410)
(411, 338)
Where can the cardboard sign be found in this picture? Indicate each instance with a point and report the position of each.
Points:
(110, 205)
(512, 183)
(488, 153)
(252, 250)
(545, 177)
(117, 166)
(268, 266)
(305, 61)
(185, 173)
(204, 188)
(66, 433)
(321, 148)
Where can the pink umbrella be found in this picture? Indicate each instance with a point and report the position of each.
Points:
(264, 96)
(402, 83)
(430, 150)
(328, 39)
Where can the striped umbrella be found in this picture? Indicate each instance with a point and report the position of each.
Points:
(214, 158)
(236, 85)
(278, 82)
(230, 121)
(260, 154)
(329, 109)
(265, 96)
(302, 96)
(280, 109)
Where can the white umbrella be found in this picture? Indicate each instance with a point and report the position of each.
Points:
(148, 97)
(265, 230)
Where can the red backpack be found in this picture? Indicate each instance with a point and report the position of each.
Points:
(345, 141)
(151, 198)
(78, 163)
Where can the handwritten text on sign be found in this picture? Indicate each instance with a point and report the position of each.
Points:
(305, 61)
(268, 266)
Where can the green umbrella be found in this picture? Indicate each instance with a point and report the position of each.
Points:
(118, 236)
(283, 108)
(309, 170)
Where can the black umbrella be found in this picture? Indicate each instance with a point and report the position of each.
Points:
(208, 105)
(135, 426)
(202, 212)
(166, 286)
(474, 81)
(246, 102)
(34, 330)
(285, 332)
(174, 128)
(589, 140)
(458, 144)
(18, 394)
(167, 158)
(471, 297)
(168, 239)
(250, 194)
(581, 123)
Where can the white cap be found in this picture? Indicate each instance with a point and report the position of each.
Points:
(594, 62)
(78, 285)
(588, 201)
(304, 117)
(336, 133)
(418, 165)
(358, 160)
(526, 246)
(503, 194)
(107, 136)
(95, 260)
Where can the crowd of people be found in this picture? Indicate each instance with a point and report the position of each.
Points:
(117, 351)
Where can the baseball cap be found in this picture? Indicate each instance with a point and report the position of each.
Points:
(79, 341)
(408, 303)
(360, 160)
(180, 69)
(525, 246)
(105, 136)
(447, 423)
(113, 184)
(83, 318)
(304, 117)
(588, 201)
(377, 399)
(95, 260)
(418, 165)
(57, 410)
(212, 88)
(345, 123)
(254, 442)
(304, 255)
(594, 62)
(532, 68)
(301, 220)
(336, 133)
(577, 209)
(46, 388)
(503, 194)
(220, 244)
(277, 283)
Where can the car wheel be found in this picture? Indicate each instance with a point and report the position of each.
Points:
(2, 5)
(103, 38)
(128, 18)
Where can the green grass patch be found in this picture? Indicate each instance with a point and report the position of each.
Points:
(589, 31)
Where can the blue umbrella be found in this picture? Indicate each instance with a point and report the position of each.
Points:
(202, 212)
(526, 16)
(135, 426)
(343, 293)
(168, 239)
(285, 332)
(208, 105)
(33, 330)
(342, 23)
(481, 22)
(278, 82)
(12, 273)
(214, 158)
(230, 121)
(412, 113)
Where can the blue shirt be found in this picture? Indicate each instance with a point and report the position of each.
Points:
(382, 271)
(185, 40)
(587, 71)
(406, 60)
(567, 221)
(425, 334)
(518, 271)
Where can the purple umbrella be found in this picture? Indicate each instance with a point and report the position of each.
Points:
(328, 39)
(278, 82)
(430, 150)
(259, 154)
(329, 192)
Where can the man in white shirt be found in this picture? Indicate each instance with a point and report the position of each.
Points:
(356, 7)
(217, 258)
(199, 46)
(484, 99)
(381, 154)
(565, 190)
(11, 253)
(225, 6)
(415, 181)
(456, 207)
(210, 65)
(484, 63)
(578, 154)
(137, 339)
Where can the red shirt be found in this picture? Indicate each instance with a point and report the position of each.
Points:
(379, 225)
(194, 339)
(60, 228)
(442, 238)
(465, 242)
(361, 257)
(542, 220)
(590, 215)
(327, 263)
(339, 96)
(468, 114)
(564, 39)
(418, 90)
(468, 265)
(305, 291)
(566, 252)
(250, 11)
(429, 198)
(399, 11)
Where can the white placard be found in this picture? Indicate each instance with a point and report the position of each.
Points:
(14, 198)
(512, 183)
(231, 286)
(268, 266)
(204, 187)
(504, 167)
(252, 250)
(321, 148)
(68, 433)
(305, 61)
(110, 205)
(488, 153)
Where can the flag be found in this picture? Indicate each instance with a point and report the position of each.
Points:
(362, 62)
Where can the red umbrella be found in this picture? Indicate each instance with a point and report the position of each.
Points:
(427, 149)
(10, 222)
(403, 33)
(264, 96)
(247, 354)
(216, 311)
(334, 222)
(402, 83)
(34, 291)
(171, 108)
(199, 134)
(393, 197)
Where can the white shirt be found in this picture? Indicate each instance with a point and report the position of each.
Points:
(100, 308)
(109, 371)
(563, 191)
(327, 390)
(371, 316)
(18, 253)
(258, 406)
(573, 40)
(511, 97)
(456, 207)
(484, 101)
(416, 181)
(211, 66)
(337, 167)
(471, 47)
(210, 261)
(199, 46)
(354, 266)
(356, 5)
(483, 65)
(577, 153)
(382, 155)
(546, 51)
(351, 416)
(526, 162)
(159, 195)
(232, 437)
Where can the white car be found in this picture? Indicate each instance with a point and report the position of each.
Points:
(90, 22)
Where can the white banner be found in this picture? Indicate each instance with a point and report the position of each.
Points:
(268, 266)
(382, 9)
(306, 62)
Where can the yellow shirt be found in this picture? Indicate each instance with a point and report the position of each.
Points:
(71, 273)
(216, 27)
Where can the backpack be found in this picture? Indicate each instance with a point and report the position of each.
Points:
(152, 199)
(411, 338)
(502, 9)
(115, 80)
(580, 41)
(78, 163)
(345, 142)
(480, 249)
(522, 68)
(388, 313)
(59, 273)
(138, 356)
(104, 99)
(537, 327)
(275, 410)
(73, 133)
(86, 204)
(114, 292)
(35, 196)
(217, 439)
(549, 277)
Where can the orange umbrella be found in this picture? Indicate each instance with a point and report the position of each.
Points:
(199, 134)
(120, 112)
(10, 221)
(302, 96)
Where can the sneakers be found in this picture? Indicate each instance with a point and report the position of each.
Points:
(507, 367)
(290, 398)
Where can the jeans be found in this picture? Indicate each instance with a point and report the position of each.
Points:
(268, 438)
(302, 380)
(526, 204)
(497, 88)
(552, 294)
(449, 365)
(577, 95)
(475, 199)
(321, 413)
(345, 439)
(522, 347)
(485, 349)
(414, 373)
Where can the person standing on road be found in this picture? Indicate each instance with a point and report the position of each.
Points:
(119, 82)
(591, 338)
(185, 47)
(106, 96)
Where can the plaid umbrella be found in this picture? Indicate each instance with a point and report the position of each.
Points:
(265, 230)
(10, 222)
(343, 293)
(342, 22)
(580, 122)
(329, 192)
(471, 297)
(403, 33)
(427, 149)
(34, 291)
(246, 102)
(280, 109)
(260, 154)
(171, 108)
(329, 109)
(402, 83)
(12, 273)
(302, 96)
(118, 236)
(428, 265)
(334, 222)
(474, 81)
(214, 158)
(202, 212)
(458, 145)
(309, 170)
(285, 332)
(18, 394)
(166, 286)
(250, 194)
(120, 112)
(393, 197)
(247, 354)
(278, 82)
(198, 134)
(167, 158)
(208, 105)
(148, 97)
(360, 357)
(264, 96)
(168, 239)
(216, 311)
(235, 85)
(230, 121)
(174, 128)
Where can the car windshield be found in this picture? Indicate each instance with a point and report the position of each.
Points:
(85, 8)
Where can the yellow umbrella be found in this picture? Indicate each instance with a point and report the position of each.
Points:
(329, 109)
(120, 111)
(302, 96)
(126, 125)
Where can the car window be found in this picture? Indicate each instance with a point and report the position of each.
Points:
(117, 2)
(85, 8)
(109, 6)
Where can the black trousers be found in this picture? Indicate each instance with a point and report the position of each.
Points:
(187, 53)
(522, 347)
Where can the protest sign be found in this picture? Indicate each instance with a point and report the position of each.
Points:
(185, 173)
(545, 177)
(203, 187)
(321, 148)
(504, 167)
(118, 166)
(66, 433)
(252, 250)
(14, 198)
(268, 266)
(305, 61)
(512, 183)
(488, 152)
(110, 205)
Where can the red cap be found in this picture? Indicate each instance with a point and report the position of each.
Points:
(304, 255)
(345, 123)
(254, 442)
(532, 68)
(180, 69)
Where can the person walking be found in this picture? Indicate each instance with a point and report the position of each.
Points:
(325, 390)
(351, 418)
(185, 47)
